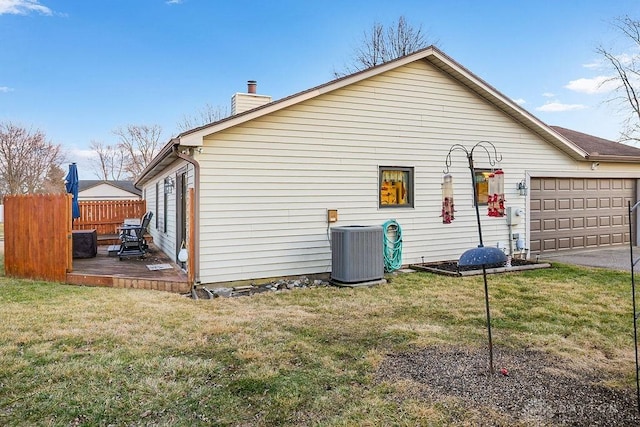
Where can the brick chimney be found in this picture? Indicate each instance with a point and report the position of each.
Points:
(241, 102)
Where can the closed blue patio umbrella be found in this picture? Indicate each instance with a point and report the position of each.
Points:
(71, 183)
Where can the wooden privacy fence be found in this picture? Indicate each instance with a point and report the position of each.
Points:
(105, 216)
(37, 236)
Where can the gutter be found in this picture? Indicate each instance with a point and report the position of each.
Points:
(164, 152)
(614, 158)
(196, 208)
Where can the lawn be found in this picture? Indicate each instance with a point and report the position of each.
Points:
(99, 356)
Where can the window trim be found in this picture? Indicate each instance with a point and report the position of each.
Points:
(410, 187)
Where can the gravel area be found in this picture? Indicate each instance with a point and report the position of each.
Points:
(532, 389)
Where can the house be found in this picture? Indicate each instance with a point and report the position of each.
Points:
(372, 146)
(107, 190)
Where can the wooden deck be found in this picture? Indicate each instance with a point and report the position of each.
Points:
(109, 271)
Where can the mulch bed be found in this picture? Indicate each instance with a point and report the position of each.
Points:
(537, 389)
(451, 268)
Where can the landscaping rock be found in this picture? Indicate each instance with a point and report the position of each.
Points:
(274, 286)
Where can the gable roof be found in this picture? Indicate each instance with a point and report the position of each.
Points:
(195, 137)
(600, 148)
(85, 184)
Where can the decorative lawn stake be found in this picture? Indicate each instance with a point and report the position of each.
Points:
(481, 256)
(447, 199)
(633, 300)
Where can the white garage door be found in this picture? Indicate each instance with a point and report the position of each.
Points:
(579, 213)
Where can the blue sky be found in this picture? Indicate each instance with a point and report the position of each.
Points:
(78, 69)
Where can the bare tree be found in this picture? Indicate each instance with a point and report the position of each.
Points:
(380, 45)
(109, 161)
(54, 180)
(26, 159)
(139, 144)
(626, 68)
(206, 115)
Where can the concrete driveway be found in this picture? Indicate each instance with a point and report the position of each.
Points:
(616, 258)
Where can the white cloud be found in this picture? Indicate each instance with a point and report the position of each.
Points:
(549, 95)
(174, 1)
(5, 89)
(556, 107)
(520, 101)
(23, 7)
(593, 65)
(599, 84)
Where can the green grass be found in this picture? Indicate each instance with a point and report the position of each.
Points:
(95, 356)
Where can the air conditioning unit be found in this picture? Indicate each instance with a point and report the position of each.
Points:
(356, 254)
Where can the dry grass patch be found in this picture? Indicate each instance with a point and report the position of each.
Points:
(94, 356)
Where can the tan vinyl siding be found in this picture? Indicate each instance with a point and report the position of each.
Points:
(165, 240)
(266, 184)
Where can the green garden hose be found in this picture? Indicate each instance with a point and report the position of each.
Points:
(392, 248)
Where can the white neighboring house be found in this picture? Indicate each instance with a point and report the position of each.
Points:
(264, 178)
(107, 190)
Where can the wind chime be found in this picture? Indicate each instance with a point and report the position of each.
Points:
(447, 199)
(495, 199)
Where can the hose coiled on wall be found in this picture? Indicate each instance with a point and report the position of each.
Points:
(392, 248)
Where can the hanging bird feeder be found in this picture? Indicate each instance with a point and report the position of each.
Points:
(447, 199)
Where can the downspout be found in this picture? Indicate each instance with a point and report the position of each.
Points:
(196, 208)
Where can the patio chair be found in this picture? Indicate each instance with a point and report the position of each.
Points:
(132, 241)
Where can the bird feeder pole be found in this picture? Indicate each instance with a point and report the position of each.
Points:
(480, 256)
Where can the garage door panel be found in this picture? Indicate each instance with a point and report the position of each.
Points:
(549, 184)
(564, 204)
(605, 239)
(591, 241)
(564, 184)
(535, 246)
(578, 242)
(572, 213)
(578, 203)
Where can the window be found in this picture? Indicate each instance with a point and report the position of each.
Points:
(157, 203)
(165, 212)
(482, 185)
(396, 187)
